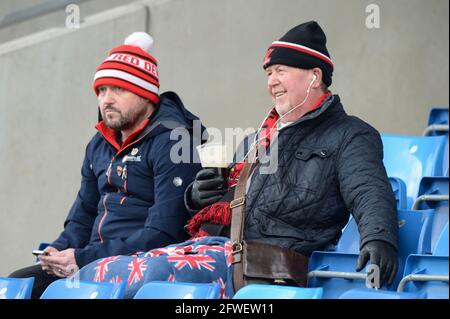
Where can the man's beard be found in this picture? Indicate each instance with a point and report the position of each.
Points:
(123, 121)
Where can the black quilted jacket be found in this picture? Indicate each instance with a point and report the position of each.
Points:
(329, 164)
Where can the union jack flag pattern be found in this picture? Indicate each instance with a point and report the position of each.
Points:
(200, 260)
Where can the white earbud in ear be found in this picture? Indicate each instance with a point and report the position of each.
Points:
(310, 84)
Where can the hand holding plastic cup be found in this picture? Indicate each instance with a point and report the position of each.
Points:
(214, 155)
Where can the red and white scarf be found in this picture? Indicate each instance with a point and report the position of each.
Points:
(220, 212)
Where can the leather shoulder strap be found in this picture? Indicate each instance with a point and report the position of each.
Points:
(237, 219)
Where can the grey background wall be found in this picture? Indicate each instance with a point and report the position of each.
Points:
(210, 52)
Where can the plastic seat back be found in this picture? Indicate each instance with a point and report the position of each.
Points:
(16, 288)
(424, 273)
(379, 294)
(438, 115)
(349, 241)
(426, 265)
(69, 289)
(399, 189)
(445, 160)
(431, 192)
(441, 247)
(257, 291)
(412, 157)
(178, 290)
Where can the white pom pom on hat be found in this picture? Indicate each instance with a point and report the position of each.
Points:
(141, 40)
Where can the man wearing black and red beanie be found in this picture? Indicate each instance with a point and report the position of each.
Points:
(329, 164)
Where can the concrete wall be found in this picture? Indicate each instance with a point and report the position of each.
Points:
(48, 112)
(210, 52)
(55, 19)
(389, 76)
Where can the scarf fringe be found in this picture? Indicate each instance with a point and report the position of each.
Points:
(218, 213)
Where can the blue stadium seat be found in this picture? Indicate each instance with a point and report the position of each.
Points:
(335, 271)
(349, 240)
(426, 274)
(441, 247)
(438, 115)
(399, 189)
(78, 289)
(178, 290)
(16, 288)
(433, 193)
(412, 157)
(438, 125)
(445, 160)
(257, 291)
(379, 294)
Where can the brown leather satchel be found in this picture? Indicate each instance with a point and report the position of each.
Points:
(257, 262)
(273, 265)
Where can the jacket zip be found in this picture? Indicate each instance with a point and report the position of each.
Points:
(108, 172)
(139, 139)
(103, 218)
(109, 178)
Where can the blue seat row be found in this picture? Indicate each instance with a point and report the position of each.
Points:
(411, 158)
(335, 271)
(257, 291)
(78, 289)
(424, 277)
(428, 274)
(438, 125)
(16, 288)
(416, 166)
(433, 194)
(420, 275)
(178, 290)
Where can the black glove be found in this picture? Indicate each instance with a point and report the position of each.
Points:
(383, 255)
(209, 187)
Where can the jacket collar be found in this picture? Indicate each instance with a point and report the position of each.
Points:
(110, 135)
(324, 104)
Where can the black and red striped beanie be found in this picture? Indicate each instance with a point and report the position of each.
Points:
(304, 46)
(131, 67)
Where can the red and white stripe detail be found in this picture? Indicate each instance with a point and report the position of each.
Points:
(303, 49)
(110, 73)
(132, 60)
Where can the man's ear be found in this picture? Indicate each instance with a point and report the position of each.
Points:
(318, 73)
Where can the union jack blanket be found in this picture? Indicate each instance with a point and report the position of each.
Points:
(199, 260)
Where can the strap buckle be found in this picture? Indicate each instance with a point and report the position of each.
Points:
(236, 248)
(237, 202)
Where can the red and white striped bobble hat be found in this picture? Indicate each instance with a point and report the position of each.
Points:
(131, 67)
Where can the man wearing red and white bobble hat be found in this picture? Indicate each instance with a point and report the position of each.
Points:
(131, 194)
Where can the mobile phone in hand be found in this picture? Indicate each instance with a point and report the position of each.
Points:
(39, 253)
